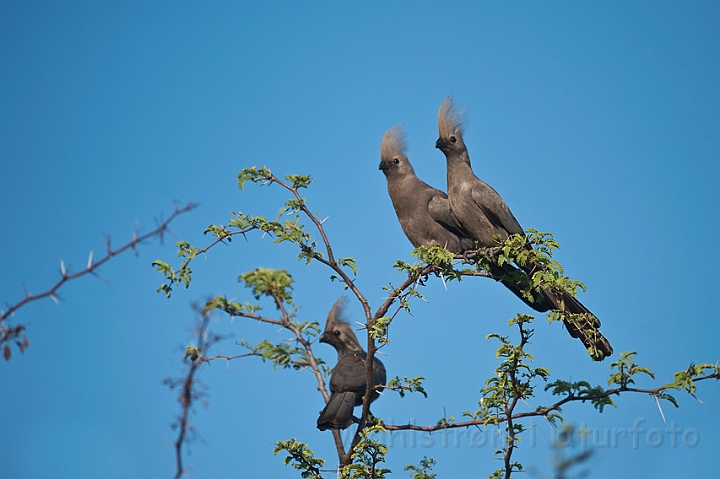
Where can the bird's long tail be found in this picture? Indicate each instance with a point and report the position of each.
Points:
(512, 278)
(580, 322)
(338, 412)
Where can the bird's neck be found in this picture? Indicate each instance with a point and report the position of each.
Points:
(399, 187)
(458, 169)
(347, 351)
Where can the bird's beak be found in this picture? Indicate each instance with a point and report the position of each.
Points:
(323, 338)
(440, 143)
(383, 166)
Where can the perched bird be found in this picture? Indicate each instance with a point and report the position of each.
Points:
(481, 213)
(424, 212)
(347, 382)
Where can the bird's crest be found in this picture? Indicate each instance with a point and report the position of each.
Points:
(451, 118)
(394, 142)
(338, 332)
(337, 314)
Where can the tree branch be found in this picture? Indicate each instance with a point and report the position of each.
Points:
(540, 412)
(8, 334)
(188, 386)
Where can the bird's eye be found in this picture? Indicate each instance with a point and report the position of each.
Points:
(336, 332)
(396, 161)
(453, 139)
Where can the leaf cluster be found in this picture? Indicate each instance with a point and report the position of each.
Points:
(423, 471)
(367, 455)
(301, 457)
(274, 283)
(407, 385)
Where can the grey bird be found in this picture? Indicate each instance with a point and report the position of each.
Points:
(481, 213)
(424, 212)
(347, 381)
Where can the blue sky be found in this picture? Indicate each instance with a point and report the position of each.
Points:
(598, 122)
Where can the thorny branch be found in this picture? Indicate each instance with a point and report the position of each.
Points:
(188, 385)
(542, 412)
(510, 407)
(10, 333)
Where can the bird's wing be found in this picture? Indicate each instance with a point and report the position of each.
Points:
(439, 209)
(349, 374)
(379, 374)
(495, 208)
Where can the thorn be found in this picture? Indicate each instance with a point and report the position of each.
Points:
(27, 293)
(657, 401)
(90, 257)
(99, 276)
(323, 221)
(54, 298)
(62, 268)
(442, 277)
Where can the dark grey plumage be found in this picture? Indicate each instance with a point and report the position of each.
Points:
(347, 382)
(481, 213)
(424, 212)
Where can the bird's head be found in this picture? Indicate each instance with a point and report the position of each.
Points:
(338, 332)
(393, 161)
(450, 127)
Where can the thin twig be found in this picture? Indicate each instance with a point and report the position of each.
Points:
(188, 384)
(7, 334)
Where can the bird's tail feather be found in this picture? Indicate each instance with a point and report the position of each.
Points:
(338, 412)
(581, 323)
(507, 274)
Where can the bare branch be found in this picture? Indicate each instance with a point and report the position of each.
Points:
(8, 334)
(188, 386)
